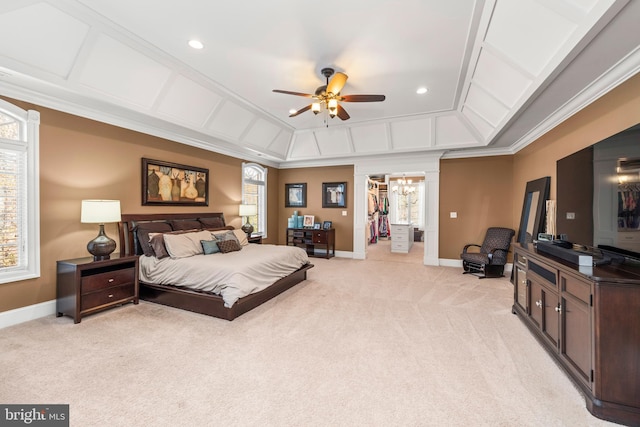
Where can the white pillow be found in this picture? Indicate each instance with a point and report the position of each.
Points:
(185, 245)
(242, 237)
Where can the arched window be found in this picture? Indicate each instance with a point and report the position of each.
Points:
(19, 198)
(254, 192)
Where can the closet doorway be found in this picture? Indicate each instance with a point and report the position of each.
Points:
(395, 217)
(425, 165)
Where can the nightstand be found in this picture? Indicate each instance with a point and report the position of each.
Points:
(85, 286)
(256, 238)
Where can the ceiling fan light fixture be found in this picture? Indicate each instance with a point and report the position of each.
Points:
(315, 107)
(332, 105)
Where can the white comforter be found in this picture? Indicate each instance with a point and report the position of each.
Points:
(232, 275)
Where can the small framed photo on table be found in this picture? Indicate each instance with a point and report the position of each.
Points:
(316, 226)
(327, 225)
(308, 221)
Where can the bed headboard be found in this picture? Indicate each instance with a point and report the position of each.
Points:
(129, 224)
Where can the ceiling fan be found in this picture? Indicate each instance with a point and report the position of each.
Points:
(328, 96)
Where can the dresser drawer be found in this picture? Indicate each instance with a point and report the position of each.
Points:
(399, 246)
(107, 296)
(319, 237)
(108, 279)
(400, 237)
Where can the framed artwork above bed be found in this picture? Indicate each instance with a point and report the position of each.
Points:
(166, 183)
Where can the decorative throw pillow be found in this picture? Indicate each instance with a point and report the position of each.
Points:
(209, 247)
(229, 246)
(156, 241)
(186, 244)
(241, 236)
(225, 235)
(142, 231)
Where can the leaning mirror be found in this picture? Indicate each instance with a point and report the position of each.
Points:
(533, 210)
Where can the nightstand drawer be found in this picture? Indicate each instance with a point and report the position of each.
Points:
(107, 296)
(108, 279)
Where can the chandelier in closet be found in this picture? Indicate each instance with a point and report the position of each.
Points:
(403, 187)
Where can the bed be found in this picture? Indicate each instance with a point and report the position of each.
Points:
(240, 281)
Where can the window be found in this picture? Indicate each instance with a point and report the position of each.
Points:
(406, 207)
(254, 192)
(19, 206)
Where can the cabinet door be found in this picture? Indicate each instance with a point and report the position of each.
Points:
(521, 289)
(575, 343)
(544, 309)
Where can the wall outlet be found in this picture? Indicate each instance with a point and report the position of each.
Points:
(453, 214)
(571, 215)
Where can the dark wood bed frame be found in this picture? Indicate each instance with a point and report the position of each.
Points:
(186, 299)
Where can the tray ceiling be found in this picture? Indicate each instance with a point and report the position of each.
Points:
(493, 69)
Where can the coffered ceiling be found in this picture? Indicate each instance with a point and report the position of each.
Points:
(499, 73)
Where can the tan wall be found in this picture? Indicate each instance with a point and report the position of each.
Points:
(479, 189)
(613, 113)
(314, 177)
(84, 159)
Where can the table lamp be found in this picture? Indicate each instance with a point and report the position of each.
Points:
(247, 210)
(100, 212)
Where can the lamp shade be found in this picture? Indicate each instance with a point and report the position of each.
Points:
(247, 210)
(100, 211)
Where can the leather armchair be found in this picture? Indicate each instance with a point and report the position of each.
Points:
(490, 259)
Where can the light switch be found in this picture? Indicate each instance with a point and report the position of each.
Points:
(571, 215)
(344, 213)
(453, 214)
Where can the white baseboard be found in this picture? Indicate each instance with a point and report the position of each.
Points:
(450, 262)
(24, 314)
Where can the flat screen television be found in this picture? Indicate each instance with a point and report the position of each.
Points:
(598, 193)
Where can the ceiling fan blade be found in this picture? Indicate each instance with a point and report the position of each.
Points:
(362, 98)
(342, 113)
(302, 110)
(336, 83)
(288, 92)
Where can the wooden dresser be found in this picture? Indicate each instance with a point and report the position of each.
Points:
(85, 286)
(310, 239)
(588, 319)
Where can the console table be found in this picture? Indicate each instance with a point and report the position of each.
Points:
(311, 239)
(588, 319)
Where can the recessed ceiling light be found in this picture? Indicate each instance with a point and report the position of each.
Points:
(196, 44)
(422, 90)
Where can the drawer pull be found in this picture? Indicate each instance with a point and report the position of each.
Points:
(539, 303)
(111, 280)
(110, 295)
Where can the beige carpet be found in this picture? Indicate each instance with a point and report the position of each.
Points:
(361, 343)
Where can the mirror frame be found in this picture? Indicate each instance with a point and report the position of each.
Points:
(542, 186)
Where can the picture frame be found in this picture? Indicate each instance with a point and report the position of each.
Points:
(316, 226)
(334, 194)
(326, 225)
(167, 183)
(295, 195)
(308, 221)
